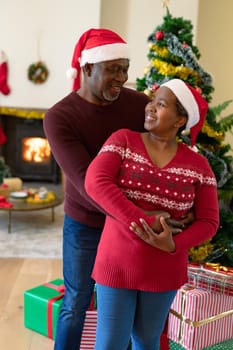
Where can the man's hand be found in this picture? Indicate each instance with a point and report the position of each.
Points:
(175, 226)
(163, 240)
(184, 222)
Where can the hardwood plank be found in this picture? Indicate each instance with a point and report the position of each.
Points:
(18, 275)
(9, 270)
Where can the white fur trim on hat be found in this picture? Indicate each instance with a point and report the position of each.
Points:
(104, 53)
(186, 98)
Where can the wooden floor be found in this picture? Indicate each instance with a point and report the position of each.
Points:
(16, 276)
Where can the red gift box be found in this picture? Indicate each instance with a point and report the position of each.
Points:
(212, 277)
(200, 318)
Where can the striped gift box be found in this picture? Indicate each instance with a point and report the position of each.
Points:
(89, 331)
(212, 277)
(200, 318)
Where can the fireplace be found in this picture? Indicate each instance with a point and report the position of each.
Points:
(27, 151)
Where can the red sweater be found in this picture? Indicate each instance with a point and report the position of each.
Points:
(122, 179)
(76, 130)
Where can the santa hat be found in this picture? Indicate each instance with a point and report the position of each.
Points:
(4, 88)
(96, 45)
(195, 105)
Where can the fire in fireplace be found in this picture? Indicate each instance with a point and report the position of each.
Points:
(27, 151)
(35, 149)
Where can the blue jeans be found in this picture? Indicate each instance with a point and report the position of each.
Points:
(79, 250)
(123, 313)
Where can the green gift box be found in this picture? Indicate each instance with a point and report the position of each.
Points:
(226, 345)
(41, 307)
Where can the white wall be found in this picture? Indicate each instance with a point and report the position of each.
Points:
(55, 26)
(216, 46)
(135, 20)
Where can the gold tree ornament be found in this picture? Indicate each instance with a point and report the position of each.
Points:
(38, 72)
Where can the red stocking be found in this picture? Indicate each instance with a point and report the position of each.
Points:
(4, 88)
(2, 136)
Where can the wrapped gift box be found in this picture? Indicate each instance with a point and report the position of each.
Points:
(41, 307)
(4, 190)
(199, 318)
(212, 277)
(89, 331)
(226, 345)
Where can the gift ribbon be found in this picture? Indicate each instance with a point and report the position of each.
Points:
(201, 322)
(218, 267)
(61, 290)
(182, 318)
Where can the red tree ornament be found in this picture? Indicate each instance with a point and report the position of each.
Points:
(155, 87)
(159, 35)
(185, 45)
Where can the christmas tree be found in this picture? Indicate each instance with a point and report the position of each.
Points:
(173, 55)
(4, 170)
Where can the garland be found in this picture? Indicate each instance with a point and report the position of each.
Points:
(185, 52)
(38, 72)
(23, 112)
(168, 69)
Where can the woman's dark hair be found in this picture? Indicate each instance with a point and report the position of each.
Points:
(182, 111)
(180, 108)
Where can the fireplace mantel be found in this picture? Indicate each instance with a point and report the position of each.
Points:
(28, 113)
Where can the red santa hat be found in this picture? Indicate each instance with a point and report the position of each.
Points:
(195, 105)
(96, 45)
(4, 88)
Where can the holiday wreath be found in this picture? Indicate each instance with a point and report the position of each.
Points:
(38, 72)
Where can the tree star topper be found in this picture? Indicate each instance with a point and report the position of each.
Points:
(165, 3)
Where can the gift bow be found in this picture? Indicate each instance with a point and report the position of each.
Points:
(218, 267)
(61, 290)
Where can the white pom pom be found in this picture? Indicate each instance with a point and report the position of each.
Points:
(185, 132)
(2, 57)
(194, 148)
(71, 73)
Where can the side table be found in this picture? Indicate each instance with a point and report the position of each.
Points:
(23, 206)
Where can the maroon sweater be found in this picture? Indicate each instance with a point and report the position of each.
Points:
(124, 180)
(76, 130)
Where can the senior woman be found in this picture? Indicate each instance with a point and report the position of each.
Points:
(140, 264)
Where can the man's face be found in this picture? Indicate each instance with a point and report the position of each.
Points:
(106, 79)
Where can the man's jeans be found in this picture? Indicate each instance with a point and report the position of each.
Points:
(79, 251)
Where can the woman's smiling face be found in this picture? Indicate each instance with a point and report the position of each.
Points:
(161, 113)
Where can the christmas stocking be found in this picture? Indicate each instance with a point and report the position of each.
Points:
(4, 88)
(2, 136)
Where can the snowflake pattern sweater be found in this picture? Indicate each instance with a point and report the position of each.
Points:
(123, 180)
